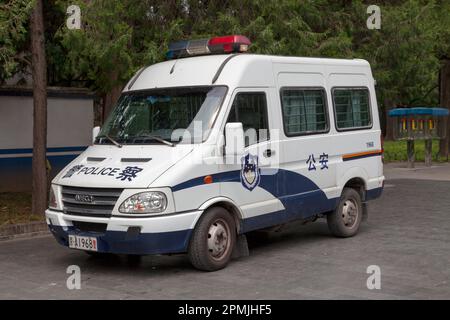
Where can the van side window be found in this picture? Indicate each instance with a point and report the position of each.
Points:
(304, 111)
(352, 108)
(250, 108)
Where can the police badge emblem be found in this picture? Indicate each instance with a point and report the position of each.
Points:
(73, 170)
(250, 173)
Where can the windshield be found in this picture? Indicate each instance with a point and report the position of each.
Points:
(184, 114)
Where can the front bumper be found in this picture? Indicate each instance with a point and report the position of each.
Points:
(155, 235)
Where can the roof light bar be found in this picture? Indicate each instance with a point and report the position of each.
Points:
(198, 47)
(229, 44)
(217, 45)
(177, 49)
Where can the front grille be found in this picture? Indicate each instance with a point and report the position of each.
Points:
(89, 226)
(92, 202)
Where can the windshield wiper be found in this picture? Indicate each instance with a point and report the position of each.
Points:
(171, 144)
(113, 141)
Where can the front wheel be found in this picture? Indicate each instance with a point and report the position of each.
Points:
(213, 240)
(344, 221)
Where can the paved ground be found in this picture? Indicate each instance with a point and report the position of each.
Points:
(407, 236)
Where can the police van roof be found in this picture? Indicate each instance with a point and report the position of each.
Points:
(241, 69)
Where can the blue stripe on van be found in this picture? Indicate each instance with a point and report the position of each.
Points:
(284, 216)
(374, 193)
(227, 176)
(55, 149)
(300, 196)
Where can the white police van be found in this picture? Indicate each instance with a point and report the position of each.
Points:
(215, 143)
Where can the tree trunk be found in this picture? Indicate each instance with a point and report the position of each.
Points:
(111, 97)
(444, 99)
(39, 71)
(389, 105)
(110, 100)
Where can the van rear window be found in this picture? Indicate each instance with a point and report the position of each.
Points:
(352, 108)
(304, 111)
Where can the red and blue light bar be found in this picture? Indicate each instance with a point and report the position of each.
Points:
(216, 45)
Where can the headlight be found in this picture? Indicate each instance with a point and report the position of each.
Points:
(144, 202)
(52, 199)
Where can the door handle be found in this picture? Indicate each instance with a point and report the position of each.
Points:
(268, 153)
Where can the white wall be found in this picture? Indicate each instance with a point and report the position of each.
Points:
(70, 122)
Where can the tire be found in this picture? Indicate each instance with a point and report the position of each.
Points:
(345, 220)
(213, 240)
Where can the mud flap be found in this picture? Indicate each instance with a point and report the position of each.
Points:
(241, 247)
(365, 208)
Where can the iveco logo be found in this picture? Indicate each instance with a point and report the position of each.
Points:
(84, 198)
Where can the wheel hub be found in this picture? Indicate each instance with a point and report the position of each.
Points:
(218, 239)
(349, 213)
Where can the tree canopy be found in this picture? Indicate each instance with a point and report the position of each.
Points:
(14, 28)
(120, 36)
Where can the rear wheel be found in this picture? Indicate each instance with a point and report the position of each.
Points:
(344, 221)
(213, 240)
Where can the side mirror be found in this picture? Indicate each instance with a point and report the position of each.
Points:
(95, 132)
(234, 139)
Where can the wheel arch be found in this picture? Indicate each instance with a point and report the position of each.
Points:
(359, 184)
(356, 178)
(228, 205)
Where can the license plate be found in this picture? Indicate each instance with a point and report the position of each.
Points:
(83, 243)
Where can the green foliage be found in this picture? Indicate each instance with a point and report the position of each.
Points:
(119, 37)
(100, 51)
(14, 21)
(396, 151)
(403, 55)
